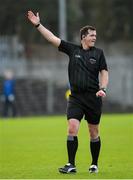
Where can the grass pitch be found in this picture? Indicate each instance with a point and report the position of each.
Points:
(34, 148)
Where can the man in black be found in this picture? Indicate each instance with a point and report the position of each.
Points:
(87, 65)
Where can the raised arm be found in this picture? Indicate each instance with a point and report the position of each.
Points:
(48, 35)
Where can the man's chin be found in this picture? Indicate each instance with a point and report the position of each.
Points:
(92, 45)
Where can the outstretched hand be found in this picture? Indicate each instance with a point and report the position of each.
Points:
(34, 19)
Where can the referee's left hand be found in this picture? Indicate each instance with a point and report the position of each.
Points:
(101, 93)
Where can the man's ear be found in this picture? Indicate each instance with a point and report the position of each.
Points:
(83, 36)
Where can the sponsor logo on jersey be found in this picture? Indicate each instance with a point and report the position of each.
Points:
(77, 56)
(92, 61)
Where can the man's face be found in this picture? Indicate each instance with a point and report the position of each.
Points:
(90, 38)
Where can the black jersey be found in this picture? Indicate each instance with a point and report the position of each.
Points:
(84, 66)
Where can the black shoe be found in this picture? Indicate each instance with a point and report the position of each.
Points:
(93, 169)
(68, 169)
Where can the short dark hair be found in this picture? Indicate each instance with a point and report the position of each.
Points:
(84, 30)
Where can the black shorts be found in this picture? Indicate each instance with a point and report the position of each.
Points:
(86, 105)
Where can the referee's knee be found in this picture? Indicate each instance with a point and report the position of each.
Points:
(72, 130)
(73, 127)
(94, 133)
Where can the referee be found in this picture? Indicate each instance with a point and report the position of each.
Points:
(88, 77)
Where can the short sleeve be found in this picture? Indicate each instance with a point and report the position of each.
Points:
(103, 64)
(66, 47)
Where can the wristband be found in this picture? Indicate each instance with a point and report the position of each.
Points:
(37, 25)
(103, 89)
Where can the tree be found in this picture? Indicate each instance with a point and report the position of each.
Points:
(112, 18)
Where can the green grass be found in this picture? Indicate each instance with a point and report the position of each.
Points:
(34, 148)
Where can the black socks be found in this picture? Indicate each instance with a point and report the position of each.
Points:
(72, 146)
(95, 145)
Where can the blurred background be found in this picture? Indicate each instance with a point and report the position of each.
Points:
(39, 71)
